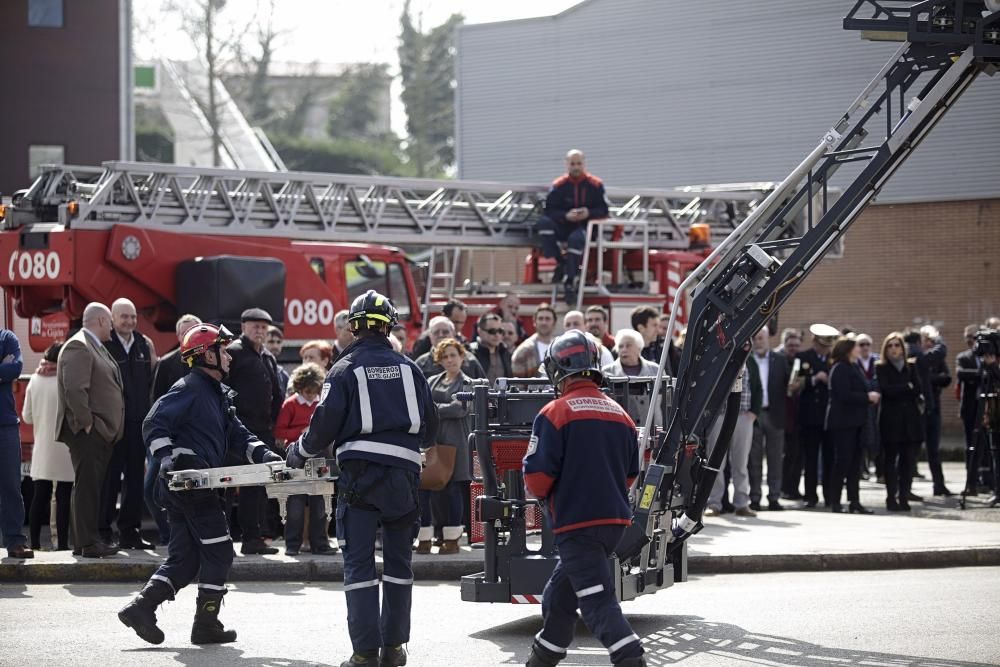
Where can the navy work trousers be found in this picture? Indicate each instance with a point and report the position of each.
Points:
(200, 545)
(573, 234)
(11, 501)
(582, 580)
(388, 497)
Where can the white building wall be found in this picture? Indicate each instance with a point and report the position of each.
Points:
(672, 92)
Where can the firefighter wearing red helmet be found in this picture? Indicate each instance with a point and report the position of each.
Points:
(194, 426)
(378, 411)
(582, 458)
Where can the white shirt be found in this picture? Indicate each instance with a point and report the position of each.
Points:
(866, 364)
(541, 348)
(764, 368)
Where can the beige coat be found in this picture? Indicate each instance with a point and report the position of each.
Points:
(90, 390)
(49, 457)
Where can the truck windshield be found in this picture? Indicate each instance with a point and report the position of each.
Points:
(388, 279)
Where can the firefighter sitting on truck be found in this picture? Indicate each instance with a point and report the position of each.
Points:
(582, 457)
(193, 426)
(574, 198)
(377, 411)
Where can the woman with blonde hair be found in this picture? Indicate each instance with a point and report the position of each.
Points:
(900, 422)
(453, 432)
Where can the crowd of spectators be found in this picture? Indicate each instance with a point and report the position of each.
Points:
(822, 409)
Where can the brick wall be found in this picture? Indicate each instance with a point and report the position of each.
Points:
(910, 264)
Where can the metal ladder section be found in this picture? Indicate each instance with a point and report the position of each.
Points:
(440, 280)
(346, 208)
(635, 236)
(751, 274)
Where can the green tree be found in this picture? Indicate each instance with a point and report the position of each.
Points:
(427, 68)
(217, 40)
(354, 111)
(371, 157)
(260, 65)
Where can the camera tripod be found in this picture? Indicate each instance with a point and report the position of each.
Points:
(985, 439)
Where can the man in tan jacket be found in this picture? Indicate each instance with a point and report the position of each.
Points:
(90, 420)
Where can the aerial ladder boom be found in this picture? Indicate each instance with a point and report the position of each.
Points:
(747, 278)
(348, 208)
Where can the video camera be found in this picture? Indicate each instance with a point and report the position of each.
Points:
(987, 342)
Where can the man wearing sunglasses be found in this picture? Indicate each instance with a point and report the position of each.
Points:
(492, 354)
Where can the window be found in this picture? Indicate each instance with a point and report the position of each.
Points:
(39, 155)
(365, 274)
(145, 78)
(397, 291)
(319, 267)
(45, 13)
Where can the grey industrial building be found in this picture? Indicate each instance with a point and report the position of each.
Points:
(671, 92)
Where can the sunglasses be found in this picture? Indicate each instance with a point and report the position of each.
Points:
(493, 331)
(894, 345)
(865, 344)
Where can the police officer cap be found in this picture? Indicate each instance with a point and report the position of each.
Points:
(256, 315)
(823, 331)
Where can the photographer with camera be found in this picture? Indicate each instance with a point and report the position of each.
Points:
(985, 380)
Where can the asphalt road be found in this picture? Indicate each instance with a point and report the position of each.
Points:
(910, 618)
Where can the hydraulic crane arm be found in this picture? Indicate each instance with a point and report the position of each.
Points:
(749, 276)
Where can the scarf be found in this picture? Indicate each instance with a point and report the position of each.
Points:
(46, 368)
(898, 364)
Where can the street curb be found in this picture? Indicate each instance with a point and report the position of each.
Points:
(453, 568)
(883, 560)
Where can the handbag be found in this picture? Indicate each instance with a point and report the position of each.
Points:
(439, 464)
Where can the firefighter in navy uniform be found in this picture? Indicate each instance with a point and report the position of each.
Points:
(574, 198)
(582, 458)
(377, 411)
(194, 426)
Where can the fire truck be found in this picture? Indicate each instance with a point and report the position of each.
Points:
(211, 241)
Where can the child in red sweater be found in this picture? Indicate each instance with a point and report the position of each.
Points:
(296, 411)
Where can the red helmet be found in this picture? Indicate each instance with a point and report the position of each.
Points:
(202, 338)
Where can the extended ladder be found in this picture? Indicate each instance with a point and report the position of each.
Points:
(345, 208)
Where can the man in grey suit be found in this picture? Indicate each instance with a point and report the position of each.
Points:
(90, 420)
(769, 430)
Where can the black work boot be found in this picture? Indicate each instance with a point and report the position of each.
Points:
(637, 661)
(140, 613)
(207, 628)
(362, 659)
(392, 656)
(543, 657)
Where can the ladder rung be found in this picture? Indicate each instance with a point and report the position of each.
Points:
(624, 245)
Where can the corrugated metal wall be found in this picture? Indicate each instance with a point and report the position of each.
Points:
(670, 92)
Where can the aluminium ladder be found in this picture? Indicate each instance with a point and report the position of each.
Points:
(447, 216)
(348, 208)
